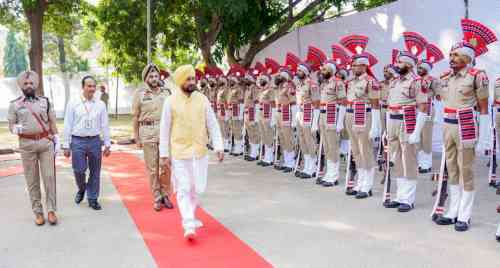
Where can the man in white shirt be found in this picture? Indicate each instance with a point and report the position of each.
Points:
(85, 120)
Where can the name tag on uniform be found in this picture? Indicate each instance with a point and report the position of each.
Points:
(87, 123)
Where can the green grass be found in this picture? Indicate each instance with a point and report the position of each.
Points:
(121, 128)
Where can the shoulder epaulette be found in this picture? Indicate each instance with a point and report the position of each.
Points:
(17, 99)
(445, 74)
(473, 71)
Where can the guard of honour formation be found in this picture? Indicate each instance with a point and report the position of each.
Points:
(303, 117)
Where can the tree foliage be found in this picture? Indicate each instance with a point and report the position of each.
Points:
(14, 57)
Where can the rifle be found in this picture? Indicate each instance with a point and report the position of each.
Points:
(442, 192)
(350, 171)
(387, 171)
(492, 176)
(318, 163)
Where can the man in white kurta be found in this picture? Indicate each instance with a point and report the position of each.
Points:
(186, 117)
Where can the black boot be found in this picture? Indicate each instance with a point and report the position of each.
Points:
(441, 220)
(461, 226)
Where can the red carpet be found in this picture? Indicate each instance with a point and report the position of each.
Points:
(11, 171)
(215, 245)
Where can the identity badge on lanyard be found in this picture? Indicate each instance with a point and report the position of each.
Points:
(88, 122)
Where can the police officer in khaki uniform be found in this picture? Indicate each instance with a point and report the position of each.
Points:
(363, 115)
(429, 86)
(236, 108)
(223, 111)
(251, 106)
(308, 100)
(463, 90)
(333, 95)
(389, 76)
(32, 118)
(266, 118)
(287, 110)
(146, 111)
(406, 102)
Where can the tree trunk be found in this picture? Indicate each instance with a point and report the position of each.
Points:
(35, 20)
(64, 70)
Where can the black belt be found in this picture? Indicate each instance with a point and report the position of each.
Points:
(396, 116)
(323, 111)
(351, 110)
(498, 109)
(85, 137)
(384, 106)
(451, 121)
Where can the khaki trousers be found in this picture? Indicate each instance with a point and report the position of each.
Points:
(159, 180)
(307, 141)
(285, 134)
(361, 145)
(459, 160)
(266, 132)
(426, 139)
(38, 157)
(236, 129)
(252, 129)
(330, 140)
(404, 155)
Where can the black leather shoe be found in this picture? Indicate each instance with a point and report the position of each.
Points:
(264, 164)
(94, 204)
(320, 181)
(363, 195)
(405, 207)
(441, 220)
(287, 170)
(330, 184)
(251, 159)
(166, 202)
(226, 151)
(350, 191)
(279, 167)
(461, 226)
(391, 204)
(79, 197)
(424, 170)
(498, 238)
(297, 174)
(260, 163)
(305, 176)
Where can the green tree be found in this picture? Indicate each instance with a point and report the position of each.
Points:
(14, 56)
(32, 14)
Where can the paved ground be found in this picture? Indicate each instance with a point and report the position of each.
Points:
(289, 222)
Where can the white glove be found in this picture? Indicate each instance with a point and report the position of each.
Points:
(274, 114)
(257, 112)
(315, 121)
(295, 116)
(17, 129)
(241, 111)
(414, 138)
(484, 142)
(57, 145)
(375, 128)
(340, 118)
(438, 112)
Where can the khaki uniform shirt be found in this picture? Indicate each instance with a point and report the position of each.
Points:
(286, 94)
(147, 107)
(406, 90)
(251, 96)
(20, 114)
(332, 90)
(362, 88)
(307, 91)
(463, 89)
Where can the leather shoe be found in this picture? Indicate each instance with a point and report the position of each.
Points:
(94, 204)
(441, 220)
(287, 170)
(405, 207)
(52, 218)
(330, 184)
(363, 195)
(251, 159)
(391, 204)
(39, 219)
(260, 163)
(79, 197)
(350, 191)
(498, 238)
(424, 170)
(279, 167)
(461, 226)
(167, 203)
(264, 164)
(498, 209)
(157, 205)
(319, 181)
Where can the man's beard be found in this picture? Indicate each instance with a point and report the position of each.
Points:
(278, 81)
(301, 76)
(189, 88)
(153, 84)
(403, 71)
(29, 93)
(327, 75)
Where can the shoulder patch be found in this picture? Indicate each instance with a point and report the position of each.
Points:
(473, 71)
